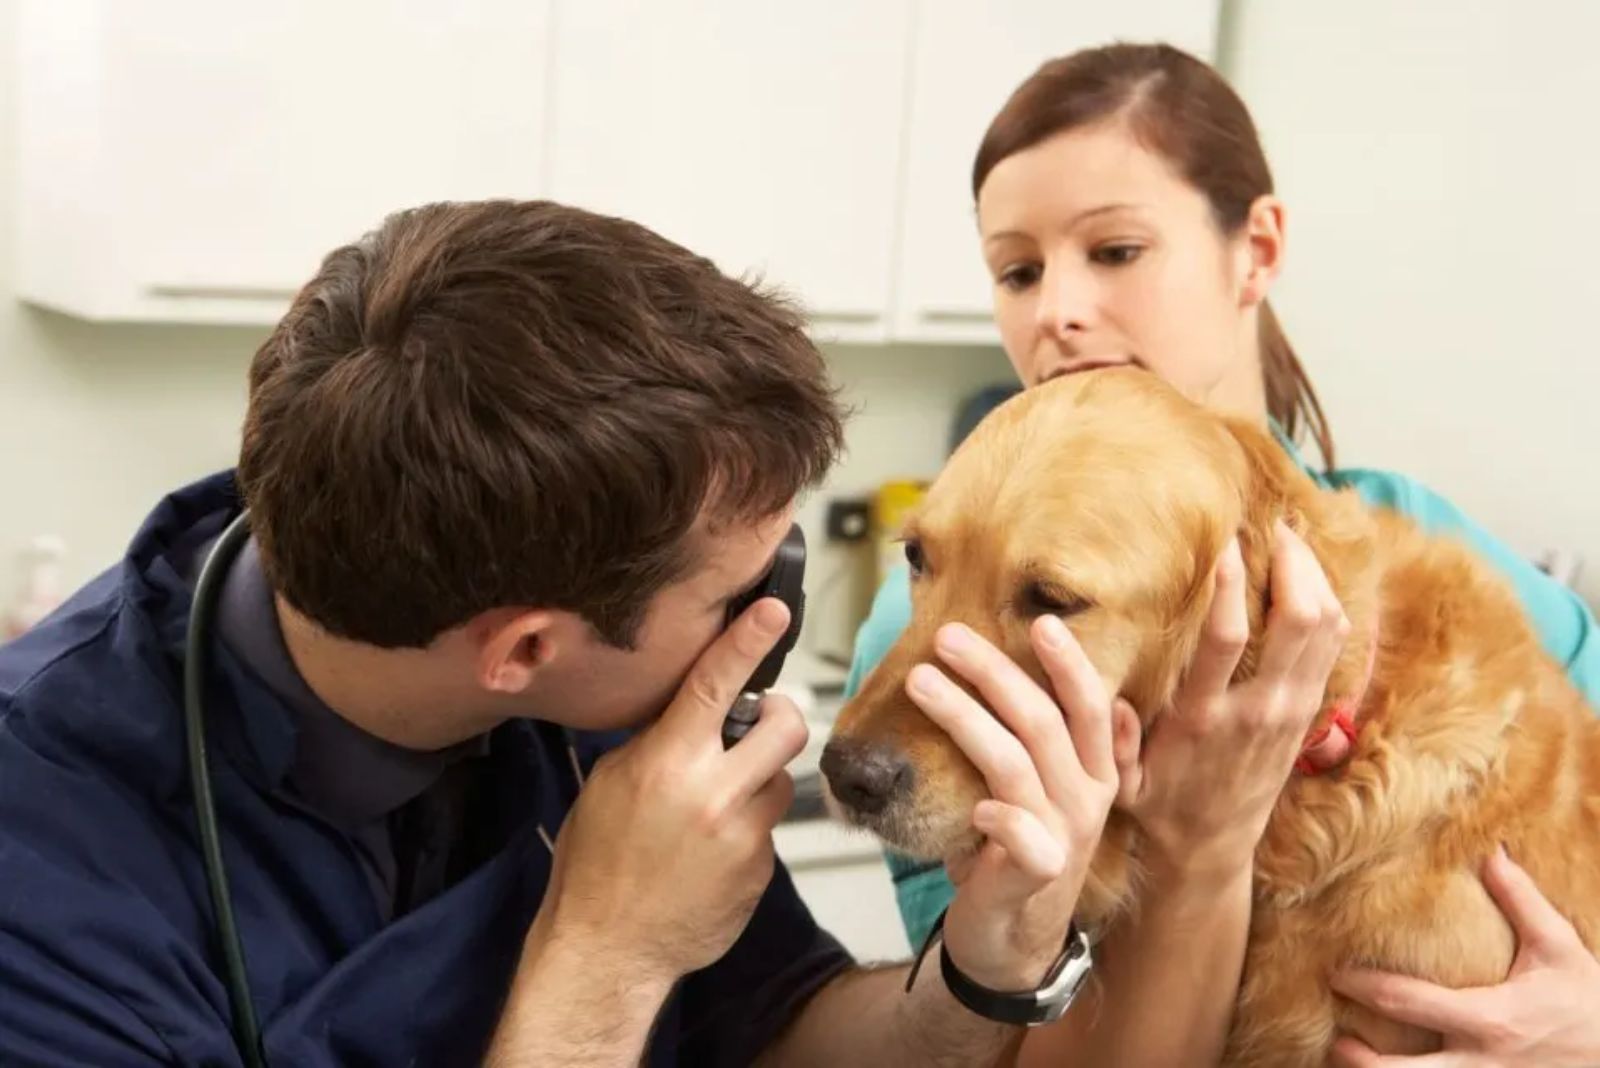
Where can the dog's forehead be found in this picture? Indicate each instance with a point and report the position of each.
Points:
(1048, 457)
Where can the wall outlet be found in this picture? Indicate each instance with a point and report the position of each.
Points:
(849, 519)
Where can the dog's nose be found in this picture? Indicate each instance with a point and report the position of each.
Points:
(865, 776)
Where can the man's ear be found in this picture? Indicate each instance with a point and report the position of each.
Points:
(512, 645)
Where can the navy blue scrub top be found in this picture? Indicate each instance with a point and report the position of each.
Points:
(106, 951)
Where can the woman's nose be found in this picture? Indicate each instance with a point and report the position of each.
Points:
(1066, 303)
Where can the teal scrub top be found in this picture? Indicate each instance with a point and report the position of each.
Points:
(1564, 622)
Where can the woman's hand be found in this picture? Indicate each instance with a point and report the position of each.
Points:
(1547, 1012)
(1206, 776)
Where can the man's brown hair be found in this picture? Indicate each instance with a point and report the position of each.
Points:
(509, 403)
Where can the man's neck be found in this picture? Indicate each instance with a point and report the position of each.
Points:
(400, 695)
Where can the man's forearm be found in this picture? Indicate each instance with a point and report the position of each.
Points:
(1165, 985)
(570, 1010)
(867, 1018)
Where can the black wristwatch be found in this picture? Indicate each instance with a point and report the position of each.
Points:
(1029, 1008)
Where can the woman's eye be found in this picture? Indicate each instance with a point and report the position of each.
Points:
(1019, 277)
(914, 556)
(1116, 255)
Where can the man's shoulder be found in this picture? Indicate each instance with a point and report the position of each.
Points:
(89, 743)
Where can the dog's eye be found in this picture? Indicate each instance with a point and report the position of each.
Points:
(914, 556)
(1040, 599)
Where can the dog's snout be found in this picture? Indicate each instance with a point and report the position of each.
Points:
(865, 776)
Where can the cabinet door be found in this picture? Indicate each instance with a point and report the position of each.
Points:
(966, 60)
(253, 139)
(764, 134)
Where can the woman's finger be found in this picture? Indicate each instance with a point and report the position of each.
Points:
(1298, 589)
(1326, 645)
(998, 755)
(1539, 925)
(1082, 698)
(1127, 735)
(1413, 1001)
(1021, 705)
(1226, 632)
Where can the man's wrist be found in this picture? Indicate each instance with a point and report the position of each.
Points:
(586, 960)
(574, 1003)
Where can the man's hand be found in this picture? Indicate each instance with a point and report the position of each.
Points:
(1547, 1012)
(669, 847)
(659, 865)
(1051, 779)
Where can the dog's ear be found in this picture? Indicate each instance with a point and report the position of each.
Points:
(1260, 492)
(1271, 488)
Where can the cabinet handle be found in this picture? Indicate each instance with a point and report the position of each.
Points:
(844, 317)
(954, 315)
(209, 292)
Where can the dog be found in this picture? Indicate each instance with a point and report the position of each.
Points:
(1117, 495)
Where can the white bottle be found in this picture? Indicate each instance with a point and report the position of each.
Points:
(41, 585)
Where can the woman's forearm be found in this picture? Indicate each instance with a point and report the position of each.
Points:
(1167, 983)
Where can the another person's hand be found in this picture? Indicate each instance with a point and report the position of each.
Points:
(663, 858)
(1205, 778)
(1051, 779)
(1546, 1013)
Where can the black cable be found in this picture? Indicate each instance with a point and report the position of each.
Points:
(247, 1034)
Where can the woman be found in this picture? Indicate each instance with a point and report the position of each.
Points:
(1127, 216)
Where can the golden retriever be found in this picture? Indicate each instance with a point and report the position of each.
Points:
(1113, 495)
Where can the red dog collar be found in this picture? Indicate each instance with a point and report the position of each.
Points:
(1329, 746)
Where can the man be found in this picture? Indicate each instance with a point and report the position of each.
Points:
(506, 466)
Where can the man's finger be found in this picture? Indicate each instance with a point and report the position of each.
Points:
(998, 755)
(1019, 703)
(959, 865)
(772, 801)
(1413, 1001)
(777, 738)
(1226, 631)
(717, 678)
(1081, 696)
(1538, 924)
(1031, 847)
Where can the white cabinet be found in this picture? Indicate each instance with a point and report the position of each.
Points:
(966, 60)
(764, 134)
(184, 160)
(844, 880)
(187, 160)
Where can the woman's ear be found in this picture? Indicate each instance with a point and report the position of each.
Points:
(1264, 247)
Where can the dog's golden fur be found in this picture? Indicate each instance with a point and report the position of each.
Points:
(1110, 486)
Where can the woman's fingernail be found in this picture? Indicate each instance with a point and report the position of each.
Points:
(955, 638)
(1052, 631)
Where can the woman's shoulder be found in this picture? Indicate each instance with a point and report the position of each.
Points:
(1402, 493)
(1566, 625)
